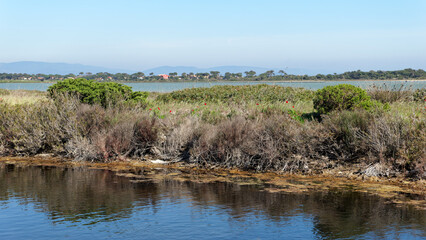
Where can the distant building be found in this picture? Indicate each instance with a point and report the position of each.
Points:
(164, 76)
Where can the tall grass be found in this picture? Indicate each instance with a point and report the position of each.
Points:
(387, 94)
(21, 96)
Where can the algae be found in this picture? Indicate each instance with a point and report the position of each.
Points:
(394, 190)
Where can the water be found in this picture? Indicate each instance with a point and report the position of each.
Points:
(168, 87)
(77, 203)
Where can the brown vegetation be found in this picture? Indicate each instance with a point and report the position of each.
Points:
(249, 138)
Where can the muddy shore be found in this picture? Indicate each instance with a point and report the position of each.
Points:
(396, 190)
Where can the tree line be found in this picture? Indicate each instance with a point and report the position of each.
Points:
(270, 75)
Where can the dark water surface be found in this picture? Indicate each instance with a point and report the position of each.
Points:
(77, 203)
(172, 86)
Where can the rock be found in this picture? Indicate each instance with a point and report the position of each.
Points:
(158, 161)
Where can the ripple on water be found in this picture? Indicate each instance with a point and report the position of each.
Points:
(57, 202)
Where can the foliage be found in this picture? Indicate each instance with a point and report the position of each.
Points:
(268, 136)
(342, 97)
(139, 96)
(246, 93)
(296, 115)
(91, 92)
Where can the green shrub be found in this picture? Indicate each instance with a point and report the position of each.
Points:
(139, 96)
(91, 92)
(85, 89)
(238, 94)
(296, 115)
(212, 116)
(343, 97)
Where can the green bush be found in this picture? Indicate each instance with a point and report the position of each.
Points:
(91, 92)
(238, 94)
(296, 115)
(139, 96)
(342, 97)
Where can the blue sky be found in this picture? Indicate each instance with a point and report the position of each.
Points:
(138, 34)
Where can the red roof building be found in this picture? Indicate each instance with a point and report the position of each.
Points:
(164, 76)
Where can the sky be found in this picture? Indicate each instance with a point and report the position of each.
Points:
(337, 35)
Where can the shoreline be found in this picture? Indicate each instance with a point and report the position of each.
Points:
(396, 190)
(278, 143)
(242, 81)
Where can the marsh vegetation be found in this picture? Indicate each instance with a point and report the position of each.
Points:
(261, 127)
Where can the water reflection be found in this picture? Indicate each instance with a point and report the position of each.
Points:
(94, 196)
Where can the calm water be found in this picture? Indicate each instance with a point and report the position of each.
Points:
(63, 203)
(168, 87)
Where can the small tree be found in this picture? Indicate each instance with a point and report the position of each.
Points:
(214, 74)
(270, 73)
(250, 73)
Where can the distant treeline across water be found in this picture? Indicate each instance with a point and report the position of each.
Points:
(218, 76)
(393, 85)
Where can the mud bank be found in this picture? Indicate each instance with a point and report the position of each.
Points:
(396, 190)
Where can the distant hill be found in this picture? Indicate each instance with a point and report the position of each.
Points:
(54, 68)
(66, 68)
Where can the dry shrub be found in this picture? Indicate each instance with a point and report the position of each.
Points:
(82, 149)
(288, 145)
(276, 143)
(397, 141)
(349, 131)
(387, 136)
(386, 94)
(413, 150)
(145, 134)
(178, 138)
(223, 143)
(388, 139)
(279, 144)
(127, 137)
(115, 142)
(35, 128)
(91, 119)
(66, 127)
